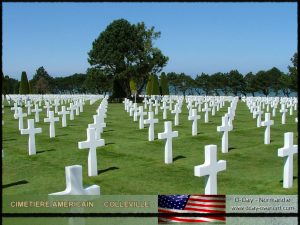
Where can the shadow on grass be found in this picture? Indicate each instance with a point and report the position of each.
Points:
(108, 130)
(15, 183)
(231, 148)
(50, 150)
(178, 157)
(61, 135)
(9, 139)
(200, 133)
(294, 178)
(110, 143)
(108, 169)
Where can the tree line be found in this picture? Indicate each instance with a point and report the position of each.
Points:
(125, 62)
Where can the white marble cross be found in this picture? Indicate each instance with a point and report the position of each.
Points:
(258, 113)
(20, 115)
(283, 110)
(135, 112)
(98, 125)
(230, 114)
(91, 143)
(176, 111)
(31, 130)
(28, 105)
(210, 169)
(74, 184)
(291, 110)
(194, 117)
(47, 107)
(150, 103)
(37, 111)
(288, 150)
(151, 121)
(213, 111)
(156, 104)
(206, 110)
(168, 135)
(71, 108)
(145, 101)
(267, 123)
(64, 113)
(51, 120)
(141, 114)
(164, 108)
(225, 128)
(80, 104)
(274, 110)
(77, 110)
(15, 108)
(56, 104)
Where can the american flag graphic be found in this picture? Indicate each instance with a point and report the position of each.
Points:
(196, 204)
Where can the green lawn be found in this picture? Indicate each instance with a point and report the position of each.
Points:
(129, 164)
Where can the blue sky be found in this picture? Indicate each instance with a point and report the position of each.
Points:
(197, 37)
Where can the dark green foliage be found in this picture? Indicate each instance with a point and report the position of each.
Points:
(264, 81)
(293, 73)
(285, 83)
(149, 86)
(126, 51)
(203, 82)
(4, 84)
(118, 91)
(97, 82)
(70, 84)
(251, 85)
(275, 74)
(155, 86)
(236, 82)
(17, 87)
(24, 85)
(42, 82)
(164, 87)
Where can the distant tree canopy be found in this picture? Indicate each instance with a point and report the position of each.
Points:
(70, 84)
(41, 82)
(164, 86)
(293, 73)
(24, 85)
(125, 51)
(97, 82)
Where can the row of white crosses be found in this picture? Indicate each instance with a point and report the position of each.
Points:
(74, 183)
(31, 130)
(94, 138)
(257, 106)
(211, 166)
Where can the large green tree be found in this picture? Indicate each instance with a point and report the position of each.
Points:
(24, 85)
(264, 82)
(97, 82)
(251, 85)
(285, 83)
(41, 82)
(203, 82)
(293, 73)
(149, 85)
(164, 87)
(275, 75)
(173, 80)
(126, 51)
(236, 81)
(155, 85)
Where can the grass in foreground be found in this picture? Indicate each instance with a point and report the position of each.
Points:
(129, 164)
